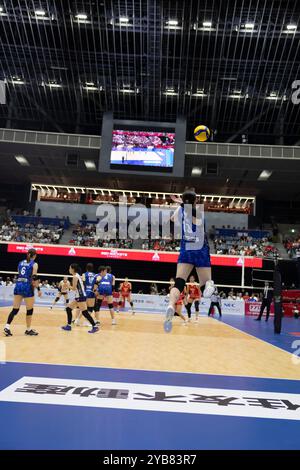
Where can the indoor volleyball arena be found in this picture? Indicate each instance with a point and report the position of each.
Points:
(149, 228)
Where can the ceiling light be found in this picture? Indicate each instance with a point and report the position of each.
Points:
(124, 19)
(22, 160)
(196, 171)
(172, 23)
(40, 13)
(53, 85)
(264, 175)
(127, 90)
(199, 93)
(170, 92)
(207, 24)
(81, 16)
(90, 164)
(249, 25)
(291, 27)
(17, 81)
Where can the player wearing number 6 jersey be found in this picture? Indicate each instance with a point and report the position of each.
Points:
(26, 282)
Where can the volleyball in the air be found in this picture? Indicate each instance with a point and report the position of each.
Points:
(201, 133)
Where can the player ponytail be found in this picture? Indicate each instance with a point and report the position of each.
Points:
(31, 254)
(189, 197)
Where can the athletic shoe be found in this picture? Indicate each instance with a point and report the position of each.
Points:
(50, 308)
(209, 289)
(7, 332)
(169, 317)
(94, 329)
(113, 322)
(66, 328)
(31, 333)
(185, 323)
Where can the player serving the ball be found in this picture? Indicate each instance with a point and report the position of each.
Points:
(194, 252)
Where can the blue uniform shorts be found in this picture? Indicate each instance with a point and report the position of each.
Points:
(198, 258)
(90, 294)
(24, 289)
(107, 291)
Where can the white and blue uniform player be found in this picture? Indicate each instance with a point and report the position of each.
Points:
(26, 282)
(88, 281)
(194, 253)
(79, 301)
(104, 284)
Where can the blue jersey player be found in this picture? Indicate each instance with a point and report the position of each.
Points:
(194, 252)
(26, 282)
(88, 282)
(104, 285)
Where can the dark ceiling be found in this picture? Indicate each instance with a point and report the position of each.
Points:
(234, 73)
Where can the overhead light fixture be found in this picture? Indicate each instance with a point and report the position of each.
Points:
(291, 27)
(22, 160)
(249, 25)
(172, 23)
(40, 13)
(2, 12)
(90, 86)
(53, 85)
(124, 19)
(17, 81)
(200, 93)
(90, 164)
(127, 90)
(236, 94)
(170, 92)
(196, 171)
(273, 96)
(81, 16)
(264, 175)
(207, 24)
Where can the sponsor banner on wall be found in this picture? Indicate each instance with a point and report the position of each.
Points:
(142, 302)
(131, 255)
(253, 308)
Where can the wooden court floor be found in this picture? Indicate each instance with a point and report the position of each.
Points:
(139, 342)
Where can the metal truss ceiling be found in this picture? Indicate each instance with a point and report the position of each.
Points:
(226, 64)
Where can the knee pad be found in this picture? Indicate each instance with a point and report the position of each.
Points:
(131, 304)
(29, 312)
(56, 299)
(120, 303)
(14, 311)
(90, 309)
(179, 283)
(188, 307)
(197, 305)
(67, 301)
(111, 306)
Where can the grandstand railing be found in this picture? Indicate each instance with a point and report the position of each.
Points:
(32, 219)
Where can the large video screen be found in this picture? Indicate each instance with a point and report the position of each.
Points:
(142, 149)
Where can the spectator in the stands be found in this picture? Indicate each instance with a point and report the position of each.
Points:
(252, 298)
(246, 296)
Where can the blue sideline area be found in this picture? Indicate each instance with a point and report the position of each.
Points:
(40, 426)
